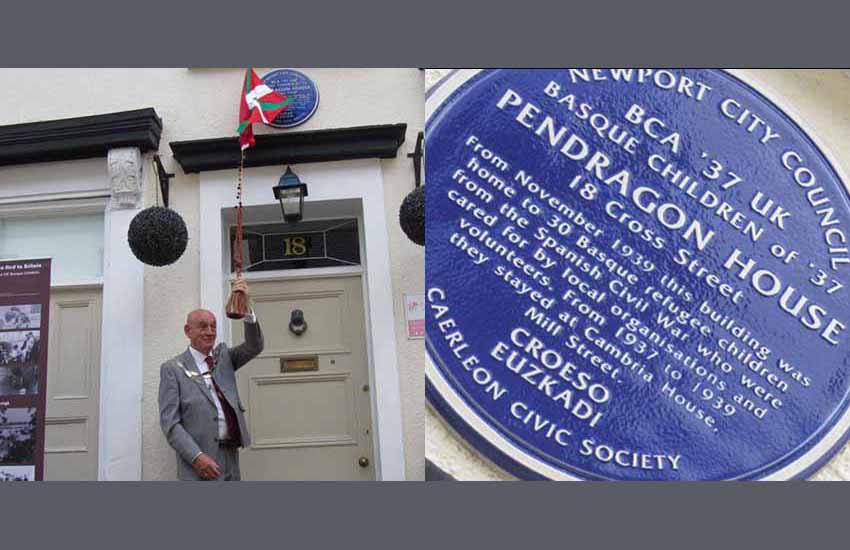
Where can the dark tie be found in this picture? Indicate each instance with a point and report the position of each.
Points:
(233, 432)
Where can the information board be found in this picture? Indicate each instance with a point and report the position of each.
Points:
(24, 312)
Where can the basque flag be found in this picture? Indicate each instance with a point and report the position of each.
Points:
(258, 103)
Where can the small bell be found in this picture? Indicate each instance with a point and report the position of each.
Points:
(237, 304)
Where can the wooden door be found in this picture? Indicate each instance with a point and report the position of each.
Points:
(308, 424)
(73, 385)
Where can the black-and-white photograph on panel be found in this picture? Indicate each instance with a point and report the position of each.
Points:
(17, 435)
(19, 362)
(17, 473)
(20, 317)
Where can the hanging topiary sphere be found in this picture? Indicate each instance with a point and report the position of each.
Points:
(411, 215)
(157, 236)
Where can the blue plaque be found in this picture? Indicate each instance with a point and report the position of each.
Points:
(634, 274)
(303, 92)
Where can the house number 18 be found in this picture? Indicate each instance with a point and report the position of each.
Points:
(294, 246)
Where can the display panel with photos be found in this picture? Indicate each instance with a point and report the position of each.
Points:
(24, 322)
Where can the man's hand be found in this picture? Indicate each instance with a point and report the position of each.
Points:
(241, 285)
(205, 467)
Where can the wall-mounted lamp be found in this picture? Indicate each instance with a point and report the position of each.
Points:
(290, 192)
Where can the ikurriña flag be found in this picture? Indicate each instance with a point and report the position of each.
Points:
(258, 103)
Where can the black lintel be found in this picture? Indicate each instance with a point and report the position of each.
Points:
(79, 137)
(291, 148)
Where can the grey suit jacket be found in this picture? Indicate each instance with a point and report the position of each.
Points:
(187, 412)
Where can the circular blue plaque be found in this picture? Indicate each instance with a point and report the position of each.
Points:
(303, 92)
(634, 274)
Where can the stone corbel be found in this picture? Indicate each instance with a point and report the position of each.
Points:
(125, 177)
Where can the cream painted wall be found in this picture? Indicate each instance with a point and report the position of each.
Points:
(819, 100)
(203, 103)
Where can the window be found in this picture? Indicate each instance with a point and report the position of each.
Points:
(74, 242)
(315, 243)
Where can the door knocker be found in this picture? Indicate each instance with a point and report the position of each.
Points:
(297, 324)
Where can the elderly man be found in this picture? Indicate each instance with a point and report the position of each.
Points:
(199, 407)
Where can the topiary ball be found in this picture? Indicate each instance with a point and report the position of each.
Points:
(411, 215)
(157, 236)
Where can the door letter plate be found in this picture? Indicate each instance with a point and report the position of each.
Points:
(299, 364)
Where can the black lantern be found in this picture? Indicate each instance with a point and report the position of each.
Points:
(290, 192)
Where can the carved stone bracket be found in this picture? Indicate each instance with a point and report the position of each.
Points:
(125, 177)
